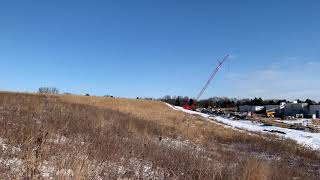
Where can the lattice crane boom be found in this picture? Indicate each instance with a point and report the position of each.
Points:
(213, 74)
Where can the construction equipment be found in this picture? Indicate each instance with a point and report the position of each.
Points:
(270, 114)
(212, 76)
(191, 106)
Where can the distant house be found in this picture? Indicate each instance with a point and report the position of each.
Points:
(314, 110)
(247, 108)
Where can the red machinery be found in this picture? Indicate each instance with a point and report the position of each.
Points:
(191, 104)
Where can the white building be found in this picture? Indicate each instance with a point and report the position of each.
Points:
(247, 108)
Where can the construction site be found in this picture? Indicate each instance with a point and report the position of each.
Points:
(290, 115)
(47, 135)
(159, 90)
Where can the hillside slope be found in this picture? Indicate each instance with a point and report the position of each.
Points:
(77, 137)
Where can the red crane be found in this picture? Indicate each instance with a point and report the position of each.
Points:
(213, 74)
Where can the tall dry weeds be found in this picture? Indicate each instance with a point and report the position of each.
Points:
(90, 137)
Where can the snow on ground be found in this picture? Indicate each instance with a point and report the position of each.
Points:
(5, 147)
(307, 139)
(304, 122)
(14, 164)
(187, 111)
(57, 139)
(311, 140)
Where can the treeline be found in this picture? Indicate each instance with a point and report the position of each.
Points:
(48, 90)
(176, 100)
(216, 102)
(225, 102)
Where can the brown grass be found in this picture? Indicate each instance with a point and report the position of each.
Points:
(192, 127)
(89, 137)
(316, 122)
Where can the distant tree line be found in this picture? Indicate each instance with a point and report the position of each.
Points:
(176, 100)
(215, 102)
(48, 90)
(225, 102)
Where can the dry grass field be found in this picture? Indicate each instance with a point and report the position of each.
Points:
(78, 137)
(316, 122)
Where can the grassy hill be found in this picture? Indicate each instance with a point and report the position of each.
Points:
(78, 137)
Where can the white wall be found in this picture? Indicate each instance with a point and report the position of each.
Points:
(247, 108)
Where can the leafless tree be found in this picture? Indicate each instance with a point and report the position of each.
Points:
(48, 90)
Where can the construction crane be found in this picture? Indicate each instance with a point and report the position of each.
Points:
(191, 105)
(213, 74)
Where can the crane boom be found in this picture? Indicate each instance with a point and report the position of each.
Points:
(212, 76)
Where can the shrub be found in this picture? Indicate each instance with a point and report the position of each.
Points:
(48, 90)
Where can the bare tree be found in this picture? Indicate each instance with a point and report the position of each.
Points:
(48, 90)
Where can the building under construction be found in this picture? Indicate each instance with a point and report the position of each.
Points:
(295, 109)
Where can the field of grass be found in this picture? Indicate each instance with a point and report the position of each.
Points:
(78, 137)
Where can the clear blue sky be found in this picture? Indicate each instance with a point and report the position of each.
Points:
(152, 48)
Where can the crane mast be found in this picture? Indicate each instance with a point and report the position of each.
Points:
(213, 74)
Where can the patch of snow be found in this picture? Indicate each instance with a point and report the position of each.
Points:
(3, 145)
(65, 172)
(46, 170)
(181, 144)
(303, 122)
(310, 140)
(56, 139)
(15, 164)
(121, 170)
(174, 143)
(10, 148)
(145, 168)
(190, 112)
(171, 106)
(137, 169)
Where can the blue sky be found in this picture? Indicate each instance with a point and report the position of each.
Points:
(151, 48)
